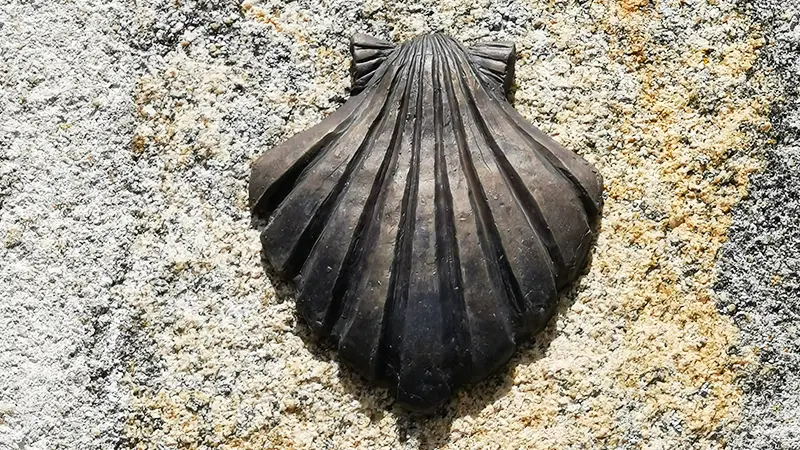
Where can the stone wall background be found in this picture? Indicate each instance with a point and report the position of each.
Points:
(136, 312)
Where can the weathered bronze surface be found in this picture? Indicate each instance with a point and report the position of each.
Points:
(427, 225)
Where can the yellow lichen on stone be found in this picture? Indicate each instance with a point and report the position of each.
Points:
(679, 330)
(633, 5)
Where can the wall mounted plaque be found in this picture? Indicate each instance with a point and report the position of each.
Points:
(428, 227)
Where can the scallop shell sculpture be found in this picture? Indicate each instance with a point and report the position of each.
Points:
(427, 226)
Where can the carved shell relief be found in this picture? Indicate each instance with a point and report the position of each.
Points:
(427, 225)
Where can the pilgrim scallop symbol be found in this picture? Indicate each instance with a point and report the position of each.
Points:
(428, 227)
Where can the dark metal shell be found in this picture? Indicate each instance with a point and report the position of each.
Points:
(427, 225)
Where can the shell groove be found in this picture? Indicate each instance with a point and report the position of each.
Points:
(428, 226)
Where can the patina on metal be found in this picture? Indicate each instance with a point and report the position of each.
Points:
(428, 227)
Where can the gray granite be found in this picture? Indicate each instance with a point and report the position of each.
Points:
(759, 268)
(136, 311)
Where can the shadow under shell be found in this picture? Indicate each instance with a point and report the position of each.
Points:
(427, 226)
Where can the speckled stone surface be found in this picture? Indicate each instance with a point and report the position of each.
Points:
(138, 313)
(759, 268)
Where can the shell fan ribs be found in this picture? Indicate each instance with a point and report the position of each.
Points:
(427, 225)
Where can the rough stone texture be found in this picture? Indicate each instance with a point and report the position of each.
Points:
(67, 222)
(136, 311)
(759, 279)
